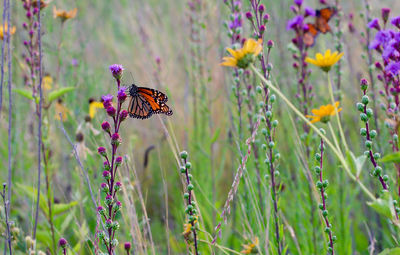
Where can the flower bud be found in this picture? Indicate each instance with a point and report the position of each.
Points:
(123, 115)
(106, 175)
(249, 15)
(111, 111)
(116, 71)
(106, 126)
(115, 139)
(121, 95)
(104, 187)
(102, 151)
(62, 243)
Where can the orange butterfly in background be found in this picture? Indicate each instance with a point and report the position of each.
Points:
(145, 102)
(322, 18)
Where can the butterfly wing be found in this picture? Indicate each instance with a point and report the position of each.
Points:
(322, 18)
(139, 108)
(310, 35)
(157, 95)
(156, 105)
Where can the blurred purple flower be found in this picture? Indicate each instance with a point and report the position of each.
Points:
(298, 2)
(237, 21)
(393, 67)
(374, 24)
(116, 70)
(396, 21)
(308, 11)
(295, 22)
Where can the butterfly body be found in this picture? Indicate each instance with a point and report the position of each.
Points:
(144, 102)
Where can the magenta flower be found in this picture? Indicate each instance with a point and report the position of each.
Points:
(308, 11)
(385, 14)
(396, 21)
(374, 24)
(111, 111)
(393, 67)
(102, 151)
(121, 95)
(116, 71)
(296, 22)
(62, 243)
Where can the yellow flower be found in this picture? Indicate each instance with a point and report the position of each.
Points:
(251, 248)
(47, 82)
(93, 106)
(64, 15)
(325, 62)
(4, 32)
(243, 57)
(324, 113)
(61, 109)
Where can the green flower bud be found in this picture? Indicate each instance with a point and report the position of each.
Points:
(325, 213)
(317, 170)
(188, 165)
(360, 107)
(190, 187)
(365, 100)
(368, 144)
(363, 117)
(363, 131)
(370, 113)
(184, 155)
(373, 134)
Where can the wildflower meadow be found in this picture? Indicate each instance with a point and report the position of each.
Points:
(200, 127)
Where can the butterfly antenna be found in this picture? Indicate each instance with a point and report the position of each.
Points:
(133, 80)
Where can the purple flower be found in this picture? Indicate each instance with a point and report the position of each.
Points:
(123, 115)
(111, 111)
(106, 165)
(385, 14)
(102, 151)
(115, 139)
(308, 11)
(74, 62)
(236, 22)
(62, 243)
(106, 126)
(116, 71)
(266, 18)
(294, 23)
(381, 38)
(118, 160)
(127, 246)
(249, 15)
(298, 2)
(393, 67)
(261, 8)
(106, 175)
(104, 186)
(396, 21)
(374, 24)
(107, 100)
(121, 94)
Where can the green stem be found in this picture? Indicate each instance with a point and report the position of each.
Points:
(334, 137)
(336, 112)
(328, 142)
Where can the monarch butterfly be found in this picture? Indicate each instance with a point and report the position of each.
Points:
(145, 102)
(322, 18)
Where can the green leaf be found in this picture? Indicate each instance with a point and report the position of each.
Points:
(383, 205)
(391, 158)
(215, 136)
(32, 194)
(394, 251)
(58, 93)
(356, 164)
(24, 93)
(60, 208)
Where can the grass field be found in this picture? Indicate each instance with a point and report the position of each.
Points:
(271, 148)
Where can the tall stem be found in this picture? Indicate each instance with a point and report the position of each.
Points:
(343, 138)
(328, 142)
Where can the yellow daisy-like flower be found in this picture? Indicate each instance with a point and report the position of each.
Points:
(47, 82)
(251, 248)
(244, 56)
(326, 61)
(324, 113)
(64, 15)
(93, 106)
(4, 32)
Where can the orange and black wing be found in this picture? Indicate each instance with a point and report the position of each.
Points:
(310, 35)
(156, 100)
(139, 108)
(322, 18)
(157, 95)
